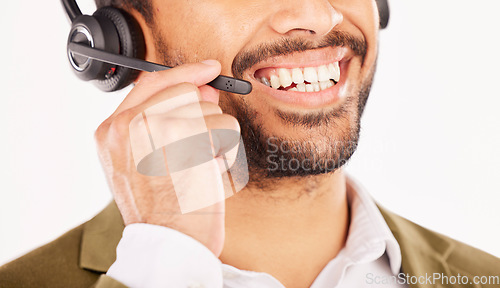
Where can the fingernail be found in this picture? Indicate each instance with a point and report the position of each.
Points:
(210, 62)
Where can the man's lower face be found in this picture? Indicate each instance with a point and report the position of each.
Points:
(284, 143)
(302, 117)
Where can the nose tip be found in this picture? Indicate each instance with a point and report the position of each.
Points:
(316, 18)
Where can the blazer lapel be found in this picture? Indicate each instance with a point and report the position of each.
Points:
(423, 252)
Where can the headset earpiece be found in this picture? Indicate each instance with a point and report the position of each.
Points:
(383, 12)
(131, 45)
(97, 32)
(111, 30)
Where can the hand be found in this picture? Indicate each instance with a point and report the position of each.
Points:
(122, 141)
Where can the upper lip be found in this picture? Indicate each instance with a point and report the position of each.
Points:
(309, 58)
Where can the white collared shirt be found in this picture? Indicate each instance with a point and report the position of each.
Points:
(155, 256)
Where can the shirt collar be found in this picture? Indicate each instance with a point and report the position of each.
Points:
(369, 235)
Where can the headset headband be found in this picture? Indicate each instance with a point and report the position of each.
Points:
(72, 9)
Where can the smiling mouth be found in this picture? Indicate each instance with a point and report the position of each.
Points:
(300, 79)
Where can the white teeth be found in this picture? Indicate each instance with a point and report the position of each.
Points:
(265, 81)
(325, 84)
(301, 87)
(316, 87)
(297, 76)
(323, 73)
(320, 78)
(331, 69)
(334, 70)
(310, 74)
(275, 82)
(285, 77)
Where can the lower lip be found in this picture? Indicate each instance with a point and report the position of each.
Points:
(327, 97)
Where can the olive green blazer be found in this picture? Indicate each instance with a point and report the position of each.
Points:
(80, 257)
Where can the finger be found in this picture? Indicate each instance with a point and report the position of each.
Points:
(148, 126)
(191, 135)
(144, 124)
(225, 136)
(192, 110)
(170, 99)
(209, 93)
(197, 74)
(185, 151)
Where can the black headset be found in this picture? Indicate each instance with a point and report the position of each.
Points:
(383, 12)
(108, 29)
(108, 48)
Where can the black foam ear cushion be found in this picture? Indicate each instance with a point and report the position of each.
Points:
(131, 45)
(383, 11)
(98, 32)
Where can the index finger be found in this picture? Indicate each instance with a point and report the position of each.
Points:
(154, 82)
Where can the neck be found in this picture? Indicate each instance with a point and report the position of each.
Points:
(291, 230)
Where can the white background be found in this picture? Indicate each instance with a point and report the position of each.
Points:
(430, 146)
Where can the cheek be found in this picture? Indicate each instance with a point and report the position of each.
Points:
(361, 18)
(204, 30)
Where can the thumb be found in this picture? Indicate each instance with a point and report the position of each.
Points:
(208, 93)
